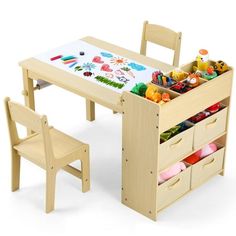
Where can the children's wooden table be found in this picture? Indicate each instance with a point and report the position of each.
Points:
(34, 69)
(144, 157)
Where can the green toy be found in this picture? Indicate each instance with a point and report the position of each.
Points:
(139, 89)
(170, 133)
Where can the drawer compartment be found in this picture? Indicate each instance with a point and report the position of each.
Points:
(207, 167)
(210, 128)
(173, 189)
(172, 150)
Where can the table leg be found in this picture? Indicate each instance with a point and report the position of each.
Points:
(28, 93)
(90, 110)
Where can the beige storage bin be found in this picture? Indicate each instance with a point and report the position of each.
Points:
(207, 167)
(174, 149)
(210, 128)
(173, 188)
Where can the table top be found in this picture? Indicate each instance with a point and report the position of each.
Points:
(38, 69)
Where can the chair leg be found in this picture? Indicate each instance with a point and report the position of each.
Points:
(15, 172)
(85, 169)
(50, 190)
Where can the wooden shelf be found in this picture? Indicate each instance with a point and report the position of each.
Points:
(195, 150)
(144, 121)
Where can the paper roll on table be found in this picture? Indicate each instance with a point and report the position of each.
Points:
(42, 84)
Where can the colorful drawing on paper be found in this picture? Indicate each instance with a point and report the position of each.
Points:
(87, 73)
(88, 66)
(106, 54)
(122, 79)
(106, 67)
(118, 61)
(136, 66)
(78, 68)
(109, 82)
(128, 71)
(98, 66)
(98, 59)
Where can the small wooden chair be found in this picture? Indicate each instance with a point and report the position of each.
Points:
(47, 147)
(162, 36)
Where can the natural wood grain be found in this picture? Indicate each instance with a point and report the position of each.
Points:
(90, 110)
(139, 159)
(47, 147)
(162, 36)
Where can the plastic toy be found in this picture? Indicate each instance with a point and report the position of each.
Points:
(202, 61)
(165, 97)
(193, 80)
(153, 94)
(170, 172)
(205, 151)
(199, 116)
(209, 74)
(221, 67)
(192, 159)
(178, 75)
(162, 80)
(139, 89)
(214, 108)
(181, 87)
(174, 131)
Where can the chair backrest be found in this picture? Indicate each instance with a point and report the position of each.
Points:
(162, 36)
(16, 113)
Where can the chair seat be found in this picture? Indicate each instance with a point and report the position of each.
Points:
(62, 144)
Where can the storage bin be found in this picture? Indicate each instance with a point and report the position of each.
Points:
(207, 167)
(173, 188)
(175, 148)
(210, 128)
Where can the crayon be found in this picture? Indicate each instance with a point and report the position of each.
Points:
(56, 57)
(68, 58)
(73, 64)
(70, 61)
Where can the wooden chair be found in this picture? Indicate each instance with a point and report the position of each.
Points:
(46, 147)
(162, 36)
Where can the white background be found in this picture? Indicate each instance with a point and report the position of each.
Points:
(31, 27)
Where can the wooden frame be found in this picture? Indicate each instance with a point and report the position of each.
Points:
(162, 36)
(45, 148)
(143, 121)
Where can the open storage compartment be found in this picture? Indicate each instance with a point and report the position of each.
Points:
(144, 156)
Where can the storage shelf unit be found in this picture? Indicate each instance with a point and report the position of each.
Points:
(143, 157)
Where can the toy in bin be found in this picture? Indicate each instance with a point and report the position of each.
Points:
(162, 80)
(173, 131)
(202, 61)
(181, 87)
(220, 67)
(205, 151)
(153, 94)
(209, 74)
(171, 172)
(193, 80)
(178, 75)
(214, 108)
(204, 114)
(139, 89)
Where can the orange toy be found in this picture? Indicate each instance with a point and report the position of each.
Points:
(153, 94)
(193, 80)
(165, 97)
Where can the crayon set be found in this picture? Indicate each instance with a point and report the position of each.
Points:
(72, 60)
